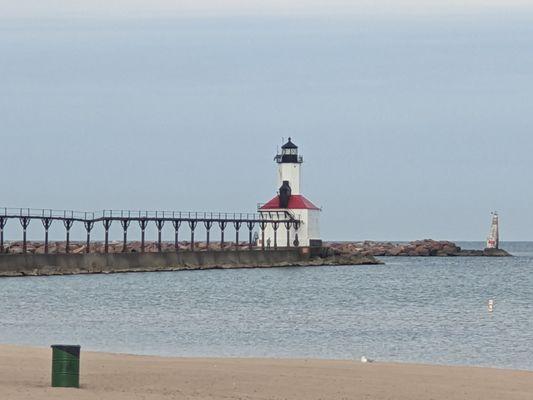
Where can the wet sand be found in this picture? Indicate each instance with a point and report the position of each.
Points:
(25, 375)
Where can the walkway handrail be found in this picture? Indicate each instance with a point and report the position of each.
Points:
(191, 218)
(96, 216)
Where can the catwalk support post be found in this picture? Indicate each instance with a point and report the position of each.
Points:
(208, 224)
(262, 225)
(3, 222)
(192, 225)
(237, 225)
(47, 222)
(177, 224)
(24, 221)
(222, 224)
(125, 224)
(250, 225)
(88, 228)
(143, 223)
(107, 224)
(159, 224)
(68, 224)
(275, 226)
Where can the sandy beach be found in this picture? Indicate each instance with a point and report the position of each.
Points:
(25, 374)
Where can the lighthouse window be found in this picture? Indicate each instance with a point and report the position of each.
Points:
(291, 152)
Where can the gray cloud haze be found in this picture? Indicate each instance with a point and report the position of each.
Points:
(410, 127)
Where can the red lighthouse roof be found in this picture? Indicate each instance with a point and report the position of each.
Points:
(296, 202)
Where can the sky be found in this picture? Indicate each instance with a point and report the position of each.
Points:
(414, 121)
(202, 8)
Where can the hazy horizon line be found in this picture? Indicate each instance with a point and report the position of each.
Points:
(313, 11)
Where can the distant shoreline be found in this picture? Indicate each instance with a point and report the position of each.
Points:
(131, 377)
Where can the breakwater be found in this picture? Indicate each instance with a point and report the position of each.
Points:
(66, 264)
(419, 248)
(95, 263)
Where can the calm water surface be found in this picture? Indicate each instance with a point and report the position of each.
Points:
(431, 310)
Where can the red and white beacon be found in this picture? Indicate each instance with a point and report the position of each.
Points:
(289, 199)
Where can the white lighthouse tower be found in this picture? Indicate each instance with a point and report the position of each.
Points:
(289, 199)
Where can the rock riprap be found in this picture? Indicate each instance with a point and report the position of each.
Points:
(419, 248)
(59, 247)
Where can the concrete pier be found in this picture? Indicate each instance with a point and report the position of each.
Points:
(67, 264)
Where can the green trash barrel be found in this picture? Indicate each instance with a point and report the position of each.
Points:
(65, 366)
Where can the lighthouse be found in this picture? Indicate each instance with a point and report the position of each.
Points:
(290, 201)
(493, 240)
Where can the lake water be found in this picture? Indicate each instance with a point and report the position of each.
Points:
(429, 310)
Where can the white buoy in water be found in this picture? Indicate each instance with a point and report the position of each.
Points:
(490, 305)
